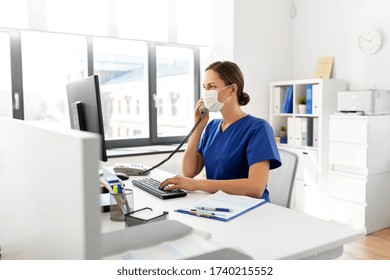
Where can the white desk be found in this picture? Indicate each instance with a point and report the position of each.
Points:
(267, 232)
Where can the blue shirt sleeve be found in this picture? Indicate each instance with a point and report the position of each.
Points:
(262, 146)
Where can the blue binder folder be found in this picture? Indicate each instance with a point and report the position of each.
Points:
(287, 102)
(309, 99)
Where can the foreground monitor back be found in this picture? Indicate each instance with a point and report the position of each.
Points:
(49, 194)
(85, 109)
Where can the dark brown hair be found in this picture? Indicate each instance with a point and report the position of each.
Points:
(230, 73)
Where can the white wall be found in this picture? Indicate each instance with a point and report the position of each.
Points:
(223, 33)
(270, 45)
(263, 37)
(257, 35)
(332, 27)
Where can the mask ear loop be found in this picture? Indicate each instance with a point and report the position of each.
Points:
(225, 88)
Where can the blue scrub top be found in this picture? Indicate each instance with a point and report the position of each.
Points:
(229, 154)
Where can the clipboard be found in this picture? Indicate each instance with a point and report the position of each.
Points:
(239, 205)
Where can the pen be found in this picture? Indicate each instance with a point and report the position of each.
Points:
(201, 214)
(197, 213)
(214, 209)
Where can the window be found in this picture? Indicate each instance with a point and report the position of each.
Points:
(123, 75)
(128, 104)
(5, 77)
(127, 86)
(50, 62)
(174, 106)
(148, 90)
(175, 83)
(160, 107)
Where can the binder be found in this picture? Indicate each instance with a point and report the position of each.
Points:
(310, 132)
(298, 132)
(315, 100)
(290, 131)
(307, 131)
(278, 97)
(288, 100)
(315, 132)
(238, 205)
(303, 131)
(309, 99)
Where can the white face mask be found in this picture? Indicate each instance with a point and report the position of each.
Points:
(210, 99)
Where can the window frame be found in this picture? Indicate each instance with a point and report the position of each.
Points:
(16, 73)
(17, 84)
(153, 89)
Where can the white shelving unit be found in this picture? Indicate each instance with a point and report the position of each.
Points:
(359, 171)
(309, 193)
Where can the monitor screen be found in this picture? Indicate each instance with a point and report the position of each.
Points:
(85, 108)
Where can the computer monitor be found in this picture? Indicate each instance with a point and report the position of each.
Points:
(49, 207)
(85, 108)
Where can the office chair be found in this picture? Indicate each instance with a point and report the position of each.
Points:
(281, 180)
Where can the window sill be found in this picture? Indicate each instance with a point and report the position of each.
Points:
(143, 150)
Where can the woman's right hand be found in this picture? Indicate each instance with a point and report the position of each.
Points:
(198, 114)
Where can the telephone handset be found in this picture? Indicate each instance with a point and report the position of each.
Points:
(203, 110)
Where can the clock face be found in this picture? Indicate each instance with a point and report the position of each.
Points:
(370, 41)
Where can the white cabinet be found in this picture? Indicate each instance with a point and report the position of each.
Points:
(359, 171)
(307, 135)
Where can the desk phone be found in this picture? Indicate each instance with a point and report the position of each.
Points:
(130, 169)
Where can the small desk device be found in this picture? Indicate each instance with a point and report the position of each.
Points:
(131, 169)
(367, 102)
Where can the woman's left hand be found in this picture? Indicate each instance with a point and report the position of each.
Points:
(179, 182)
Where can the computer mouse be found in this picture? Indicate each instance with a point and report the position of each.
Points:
(121, 176)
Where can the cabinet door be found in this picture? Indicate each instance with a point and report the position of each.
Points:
(307, 170)
(348, 130)
(348, 187)
(348, 212)
(349, 156)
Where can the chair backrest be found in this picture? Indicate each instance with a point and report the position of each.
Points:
(281, 180)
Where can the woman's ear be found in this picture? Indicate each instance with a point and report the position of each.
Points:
(234, 88)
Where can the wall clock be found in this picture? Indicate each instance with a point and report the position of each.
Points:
(370, 41)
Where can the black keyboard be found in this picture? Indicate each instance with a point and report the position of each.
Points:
(152, 186)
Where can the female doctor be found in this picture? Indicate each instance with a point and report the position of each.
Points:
(237, 151)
